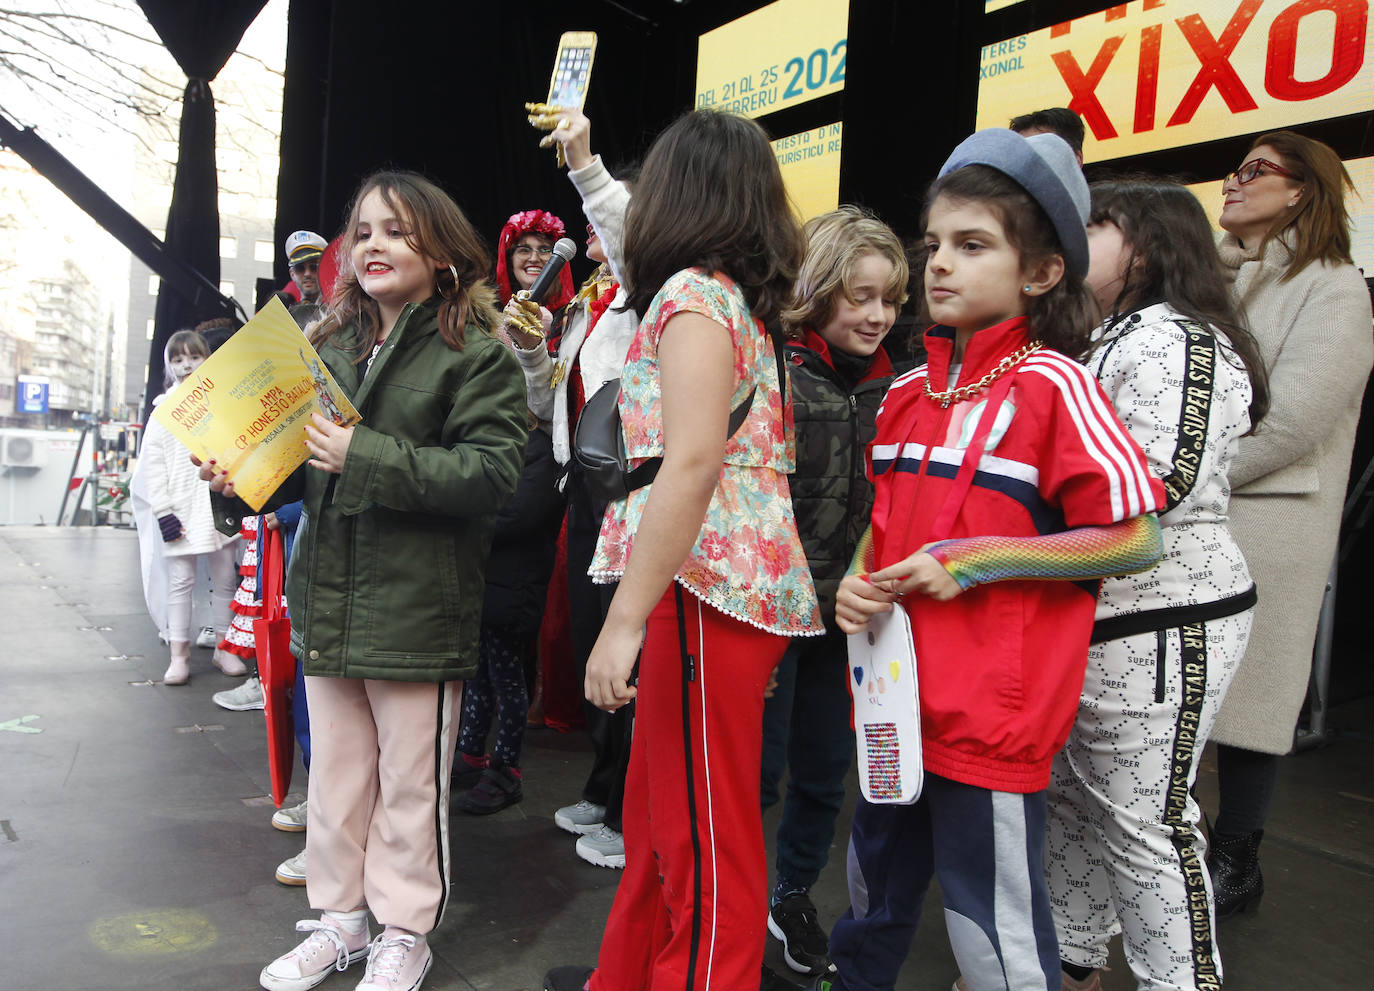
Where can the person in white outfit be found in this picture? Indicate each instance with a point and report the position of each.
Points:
(180, 523)
(1124, 853)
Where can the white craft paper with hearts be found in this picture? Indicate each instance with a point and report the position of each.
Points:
(887, 711)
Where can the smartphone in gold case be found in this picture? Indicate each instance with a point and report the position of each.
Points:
(572, 70)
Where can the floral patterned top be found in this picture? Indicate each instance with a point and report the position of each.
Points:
(748, 560)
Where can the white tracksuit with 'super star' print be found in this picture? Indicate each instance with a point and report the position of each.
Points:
(1124, 852)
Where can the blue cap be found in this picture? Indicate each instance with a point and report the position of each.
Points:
(1045, 167)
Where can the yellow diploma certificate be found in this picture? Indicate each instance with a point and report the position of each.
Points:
(247, 406)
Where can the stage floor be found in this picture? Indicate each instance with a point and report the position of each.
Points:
(136, 851)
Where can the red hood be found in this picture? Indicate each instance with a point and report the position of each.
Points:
(812, 341)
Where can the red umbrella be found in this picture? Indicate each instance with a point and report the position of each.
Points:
(276, 668)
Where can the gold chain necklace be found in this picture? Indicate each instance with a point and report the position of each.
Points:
(969, 391)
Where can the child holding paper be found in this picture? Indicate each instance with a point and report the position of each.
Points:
(1004, 487)
(385, 587)
(846, 299)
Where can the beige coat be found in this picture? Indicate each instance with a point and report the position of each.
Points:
(1289, 478)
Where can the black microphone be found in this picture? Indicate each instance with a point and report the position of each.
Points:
(563, 252)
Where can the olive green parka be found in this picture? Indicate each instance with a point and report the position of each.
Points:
(387, 577)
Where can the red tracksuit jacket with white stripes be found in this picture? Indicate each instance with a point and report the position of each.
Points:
(1000, 667)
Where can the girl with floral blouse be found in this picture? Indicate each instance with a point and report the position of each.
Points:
(713, 579)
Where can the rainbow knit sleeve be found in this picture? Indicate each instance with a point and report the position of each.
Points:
(862, 562)
(1072, 555)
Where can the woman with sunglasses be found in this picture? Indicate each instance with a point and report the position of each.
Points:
(1287, 242)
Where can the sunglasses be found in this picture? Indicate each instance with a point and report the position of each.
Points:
(1250, 171)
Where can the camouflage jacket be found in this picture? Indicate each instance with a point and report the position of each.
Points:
(831, 493)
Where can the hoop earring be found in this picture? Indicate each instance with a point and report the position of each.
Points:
(454, 291)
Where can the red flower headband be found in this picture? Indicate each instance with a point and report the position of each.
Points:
(531, 222)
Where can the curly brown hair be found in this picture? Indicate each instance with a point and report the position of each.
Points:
(1174, 258)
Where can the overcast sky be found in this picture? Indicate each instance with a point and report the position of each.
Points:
(78, 100)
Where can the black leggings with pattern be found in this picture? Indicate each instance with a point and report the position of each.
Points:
(499, 684)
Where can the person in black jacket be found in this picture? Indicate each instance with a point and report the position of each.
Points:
(522, 553)
(847, 295)
(522, 556)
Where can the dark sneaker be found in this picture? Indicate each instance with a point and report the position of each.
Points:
(568, 978)
(498, 788)
(773, 981)
(805, 945)
(467, 771)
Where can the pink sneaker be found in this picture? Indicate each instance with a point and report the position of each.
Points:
(399, 961)
(328, 948)
(228, 662)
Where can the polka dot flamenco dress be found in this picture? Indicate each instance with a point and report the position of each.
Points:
(247, 604)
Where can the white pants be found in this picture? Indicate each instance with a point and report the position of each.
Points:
(1124, 853)
(181, 583)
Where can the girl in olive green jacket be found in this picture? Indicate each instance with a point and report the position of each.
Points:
(386, 587)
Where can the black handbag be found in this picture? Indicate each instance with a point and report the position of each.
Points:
(599, 444)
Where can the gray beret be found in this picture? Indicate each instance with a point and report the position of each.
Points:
(1045, 167)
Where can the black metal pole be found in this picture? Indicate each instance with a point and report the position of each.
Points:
(53, 166)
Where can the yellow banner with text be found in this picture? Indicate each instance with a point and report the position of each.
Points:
(810, 166)
(1155, 74)
(779, 56)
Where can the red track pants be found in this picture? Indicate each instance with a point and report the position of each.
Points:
(692, 905)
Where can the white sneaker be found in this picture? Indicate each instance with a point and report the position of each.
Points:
(581, 818)
(327, 949)
(207, 637)
(244, 697)
(399, 961)
(603, 847)
(290, 820)
(292, 871)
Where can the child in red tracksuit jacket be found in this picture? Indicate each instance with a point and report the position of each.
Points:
(1005, 486)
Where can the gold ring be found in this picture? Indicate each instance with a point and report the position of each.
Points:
(563, 124)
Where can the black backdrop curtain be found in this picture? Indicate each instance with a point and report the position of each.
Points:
(201, 35)
(441, 93)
